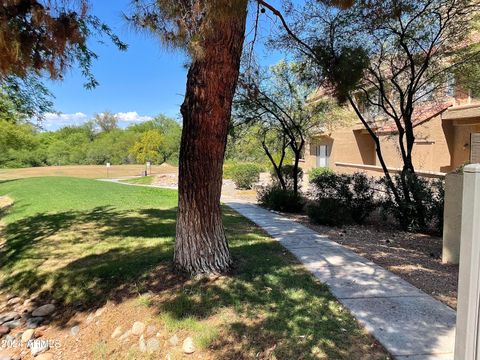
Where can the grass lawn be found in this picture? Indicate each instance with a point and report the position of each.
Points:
(88, 245)
(144, 180)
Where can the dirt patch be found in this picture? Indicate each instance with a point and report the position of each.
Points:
(5, 202)
(414, 257)
(85, 171)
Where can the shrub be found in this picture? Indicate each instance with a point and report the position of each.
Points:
(362, 201)
(328, 211)
(245, 175)
(276, 198)
(312, 174)
(353, 195)
(431, 196)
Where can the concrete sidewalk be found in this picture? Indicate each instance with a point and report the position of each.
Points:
(408, 323)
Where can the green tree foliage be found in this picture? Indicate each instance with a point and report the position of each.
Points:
(23, 145)
(149, 147)
(24, 99)
(277, 102)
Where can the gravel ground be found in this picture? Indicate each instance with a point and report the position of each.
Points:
(414, 257)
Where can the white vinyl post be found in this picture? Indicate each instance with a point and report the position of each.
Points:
(467, 343)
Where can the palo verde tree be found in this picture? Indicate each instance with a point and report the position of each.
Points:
(389, 60)
(277, 101)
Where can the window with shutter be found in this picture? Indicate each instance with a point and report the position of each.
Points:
(475, 148)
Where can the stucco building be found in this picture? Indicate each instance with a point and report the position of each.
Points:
(447, 136)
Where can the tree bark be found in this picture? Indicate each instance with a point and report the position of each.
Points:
(201, 246)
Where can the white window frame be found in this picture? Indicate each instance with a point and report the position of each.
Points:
(321, 155)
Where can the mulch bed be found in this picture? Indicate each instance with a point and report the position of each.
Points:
(414, 257)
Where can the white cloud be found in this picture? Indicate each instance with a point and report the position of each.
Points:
(132, 116)
(55, 121)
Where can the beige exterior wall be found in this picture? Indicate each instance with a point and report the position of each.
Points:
(441, 146)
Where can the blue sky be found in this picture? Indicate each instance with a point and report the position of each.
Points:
(140, 83)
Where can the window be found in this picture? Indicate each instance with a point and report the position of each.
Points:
(321, 153)
(475, 148)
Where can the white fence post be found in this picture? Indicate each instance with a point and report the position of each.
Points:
(467, 343)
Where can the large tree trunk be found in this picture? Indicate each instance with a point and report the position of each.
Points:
(201, 246)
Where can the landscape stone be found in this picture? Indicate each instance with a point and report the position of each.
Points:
(99, 312)
(9, 316)
(43, 310)
(4, 330)
(141, 344)
(28, 335)
(152, 345)
(188, 346)
(151, 330)
(38, 346)
(75, 330)
(34, 322)
(5, 357)
(117, 332)
(173, 340)
(138, 328)
(14, 301)
(14, 323)
(125, 336)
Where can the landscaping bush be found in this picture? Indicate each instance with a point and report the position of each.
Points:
(328, 211)
(431, 194)
(276, 198)
(312, 174)
(245, 175)
(346, 197)
(362, 201)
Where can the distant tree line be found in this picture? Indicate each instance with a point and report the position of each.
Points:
(94, 143)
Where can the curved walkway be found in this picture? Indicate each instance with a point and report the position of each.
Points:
(407, 322)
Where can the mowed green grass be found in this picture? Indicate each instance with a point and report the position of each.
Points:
(84, 242)
(144, 180)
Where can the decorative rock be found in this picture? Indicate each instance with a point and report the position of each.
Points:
(38, 346)
(5, 357)
(117, 332)
(188, 346)
(90, 318)
(45, 356)
(152, 345)
(138, 328)
(125, 336)
(43, 310)
(141, 344)
(173, 340)
(12, 315)
(14, 323)
(28, 335)
(75, 330)
(4, 330)
(34, 322)
(99, 312)
(151, 330)
(14, 301)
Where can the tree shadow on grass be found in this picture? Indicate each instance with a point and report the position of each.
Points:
(278, 307)
(82, 258)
